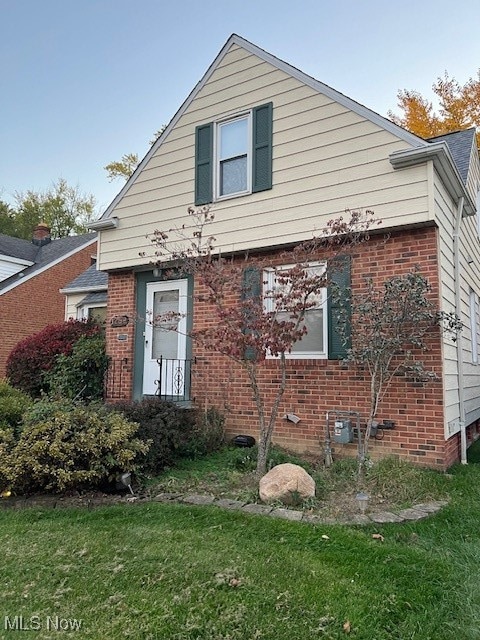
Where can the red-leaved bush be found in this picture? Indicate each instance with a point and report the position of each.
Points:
(34, 355)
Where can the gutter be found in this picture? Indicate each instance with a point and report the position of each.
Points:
(90, 289)
(104, 224)
(461, 377)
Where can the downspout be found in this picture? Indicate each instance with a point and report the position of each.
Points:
(458, 311)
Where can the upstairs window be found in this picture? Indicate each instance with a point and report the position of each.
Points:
(233, 153)
(234, 156)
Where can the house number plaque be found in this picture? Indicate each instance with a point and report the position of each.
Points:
(119, 321)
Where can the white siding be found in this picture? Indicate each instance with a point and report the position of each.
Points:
(71, 305)
(8, 268)
(470, 280)
(325, 159)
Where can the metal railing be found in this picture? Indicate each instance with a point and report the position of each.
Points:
(174, 379)
(114, 384)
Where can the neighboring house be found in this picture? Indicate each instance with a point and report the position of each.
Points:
(86, 296)
(31, 276)
(277, 154)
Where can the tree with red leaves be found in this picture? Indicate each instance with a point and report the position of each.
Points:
(272, 296)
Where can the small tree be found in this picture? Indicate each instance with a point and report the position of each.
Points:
(390, 328)
(244, 328)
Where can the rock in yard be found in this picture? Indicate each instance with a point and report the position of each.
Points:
(287, 483)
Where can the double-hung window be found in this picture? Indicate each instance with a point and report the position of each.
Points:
(474, 325)
(233, 156)
(314, 344)
(233, 165)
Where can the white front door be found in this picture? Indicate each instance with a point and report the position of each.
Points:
(165, 338)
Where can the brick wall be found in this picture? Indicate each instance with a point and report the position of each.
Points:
(316, 386)
(120, 340)
(36, 303)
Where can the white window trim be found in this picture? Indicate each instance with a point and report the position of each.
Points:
(82, 311)
(268, 303)
(216, 156)
(478, 213)
(474, 325)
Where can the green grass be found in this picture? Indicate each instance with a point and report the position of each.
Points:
(177, 572)
(230, 473)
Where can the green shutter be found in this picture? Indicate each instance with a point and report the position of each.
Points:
(204, 164)
(339, 298)
(262, 148)
(251, 289)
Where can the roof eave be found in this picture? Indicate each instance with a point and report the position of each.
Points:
(439, 154)
(75, 290)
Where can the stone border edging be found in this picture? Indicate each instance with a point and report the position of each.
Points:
(413, 513)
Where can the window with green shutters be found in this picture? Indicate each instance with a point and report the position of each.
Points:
(233, 156)
(328, 322)
(314, 342)
(339, 308)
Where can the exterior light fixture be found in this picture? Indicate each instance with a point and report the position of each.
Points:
(362, 501)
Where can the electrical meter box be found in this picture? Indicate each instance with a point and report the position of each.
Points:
(343, 431)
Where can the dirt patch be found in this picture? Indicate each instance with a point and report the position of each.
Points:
(87, 500)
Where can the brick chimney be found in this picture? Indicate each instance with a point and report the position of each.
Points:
(41, 234)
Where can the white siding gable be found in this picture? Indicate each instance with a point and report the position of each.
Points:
(329, 154)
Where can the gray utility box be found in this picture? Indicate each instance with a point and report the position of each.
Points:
(343, 431)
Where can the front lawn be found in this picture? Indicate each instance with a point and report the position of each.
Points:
(178, 572)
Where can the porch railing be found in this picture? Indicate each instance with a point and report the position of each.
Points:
(174, 379)
(116, 379)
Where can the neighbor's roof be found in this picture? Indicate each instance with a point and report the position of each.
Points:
(99, 297)
(17, 248)
(43, 256)
(91, 279)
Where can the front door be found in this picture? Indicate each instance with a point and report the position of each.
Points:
(165, 338)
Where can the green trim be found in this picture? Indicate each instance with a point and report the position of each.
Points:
(204, 164)
(339, 299)
(144, 278)
(262, 126)
(251, 289)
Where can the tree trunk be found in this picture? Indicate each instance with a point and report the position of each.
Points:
(266, 431)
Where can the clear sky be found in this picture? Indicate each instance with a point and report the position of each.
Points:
(84, 81)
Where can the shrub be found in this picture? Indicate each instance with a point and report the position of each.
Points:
(207, 435)
(65, 445)
(13, 404)
(164, 424)
(80, 375)
(7, 443)
(35, 355)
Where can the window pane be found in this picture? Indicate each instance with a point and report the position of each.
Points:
(99, 314)
(165, 338)
(313, 341)
(233, 176)
(233, 139)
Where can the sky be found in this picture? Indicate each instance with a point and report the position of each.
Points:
(83, 82)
